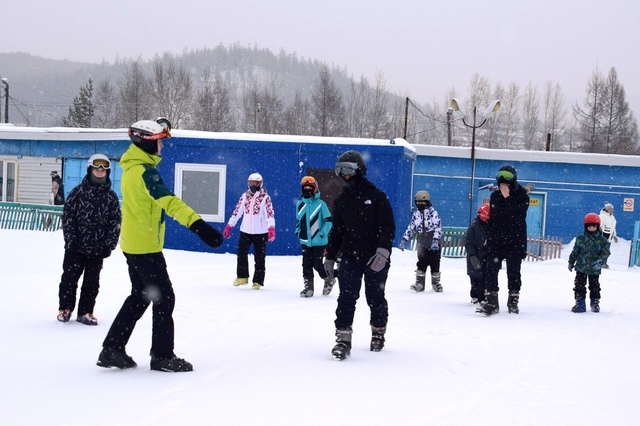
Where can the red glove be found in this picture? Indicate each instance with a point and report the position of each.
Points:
(272, 234)
(227, 231)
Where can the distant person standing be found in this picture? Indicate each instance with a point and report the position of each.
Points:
(313, 223)
(587, 256)
(363, 231)
(506, 240)
(91, 227)
(608, 226)
(146, 201)
(426, 223)
(258, 227)
(56, 197)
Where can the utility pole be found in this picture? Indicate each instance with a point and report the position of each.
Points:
(6, 99)
(406, 114)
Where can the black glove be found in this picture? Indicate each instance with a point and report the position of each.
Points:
(106, 252)
(570, 267)
(475, 262)
(207, 233)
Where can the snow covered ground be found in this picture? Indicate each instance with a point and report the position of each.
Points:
(263, 357)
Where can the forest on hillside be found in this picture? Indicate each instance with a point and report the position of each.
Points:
(246, 89)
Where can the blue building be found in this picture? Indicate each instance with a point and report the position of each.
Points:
(209, 172)
(564, 186)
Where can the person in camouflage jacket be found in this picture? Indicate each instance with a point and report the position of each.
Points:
(587, 257)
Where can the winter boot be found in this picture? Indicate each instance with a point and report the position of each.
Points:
(307, 291)
(595, 305)
(512, 302)
(435, 282)
(171, 365)
(377, 338)
(240, 281)
(110, 357)
(490, 306)
(64, 315)
(420, 281)
(579, 306)
(342, 349)
(328, 285)
(87, 319)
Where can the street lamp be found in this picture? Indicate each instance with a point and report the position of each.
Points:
(458, 112)
(6, 99)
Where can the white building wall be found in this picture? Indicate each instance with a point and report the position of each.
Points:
(34, 178)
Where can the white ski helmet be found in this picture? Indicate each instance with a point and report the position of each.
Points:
(99, 160)
(145, 134)
(255, 176)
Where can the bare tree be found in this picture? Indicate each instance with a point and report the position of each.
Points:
(379, 112)
(619, 128)
(271, 116)
(358, 107)
(213, 112)
(588, 116)
(510, 113)
(297, 117)
(133, 96)
(170, 90)
(554, 115)
(327, 111)
(105, 115)
(530, 118)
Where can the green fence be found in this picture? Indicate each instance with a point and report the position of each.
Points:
(36, 217)
(451, 243)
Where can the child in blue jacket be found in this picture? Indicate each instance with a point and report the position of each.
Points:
(312, 228)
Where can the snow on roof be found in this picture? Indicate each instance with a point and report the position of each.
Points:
(72, 133)
(534, 156)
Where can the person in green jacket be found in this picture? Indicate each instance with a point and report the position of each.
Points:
(587, 257)
(145, 200)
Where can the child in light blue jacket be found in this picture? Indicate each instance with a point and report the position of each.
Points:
(312, 228)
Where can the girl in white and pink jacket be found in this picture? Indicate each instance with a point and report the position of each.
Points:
(258, 227)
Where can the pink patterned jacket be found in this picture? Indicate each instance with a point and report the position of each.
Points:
(256, 212)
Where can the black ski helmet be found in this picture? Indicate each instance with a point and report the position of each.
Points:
(353, 159)
(508, 175)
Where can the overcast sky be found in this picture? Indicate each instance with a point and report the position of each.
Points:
(424, 48)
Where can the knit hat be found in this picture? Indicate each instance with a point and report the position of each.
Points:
(608, 206)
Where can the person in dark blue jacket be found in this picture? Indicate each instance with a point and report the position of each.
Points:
(474, 244)
(363, 232)
(312, 228)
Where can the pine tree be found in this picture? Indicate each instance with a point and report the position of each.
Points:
(81, 112)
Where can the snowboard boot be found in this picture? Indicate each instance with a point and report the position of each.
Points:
(595, 305)
(342, 349)
(110, 357)
(307, 291)
(420, 281)
(435, 282)
(328, 285)
(377, 338)
(171, 365)
(490, 306)
(512, 302)
(579, 307)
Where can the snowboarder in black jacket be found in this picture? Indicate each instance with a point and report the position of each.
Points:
(363, 232)
(506, 239)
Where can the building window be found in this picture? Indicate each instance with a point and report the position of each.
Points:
(8, 181)
(202, 187)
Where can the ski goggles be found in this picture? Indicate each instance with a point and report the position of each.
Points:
(308, 180)
(346, 169)
(504, 175)
(99, 162)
